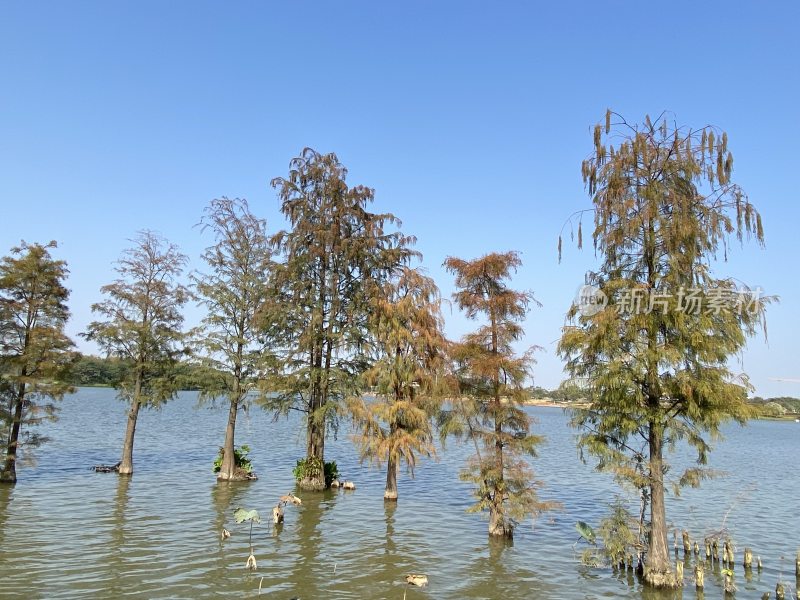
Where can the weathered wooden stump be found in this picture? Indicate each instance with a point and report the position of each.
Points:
(699, 576)
(729, 587)
(687, 546)
(727, 553)
(277, 515)
(348, 485)
(715, 550)
(780, 593)
(696, 548)
(708, 550)
(759, 566)
(679, 572)
(748, 558)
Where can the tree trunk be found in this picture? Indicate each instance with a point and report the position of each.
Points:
(126, 465)
(390, 493)
(498, 526)
(658, 568)
(316, 449)
(227, 470)
(9, 472)
(315, 444)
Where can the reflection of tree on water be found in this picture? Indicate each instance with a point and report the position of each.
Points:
(225, 498)
(116, 560)
(499, 575)
(6, 492)
(308, 576)
(389, 508)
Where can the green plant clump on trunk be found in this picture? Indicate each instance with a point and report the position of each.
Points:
(240, 458)
(311, 467)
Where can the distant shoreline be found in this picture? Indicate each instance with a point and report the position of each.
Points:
(550, 403)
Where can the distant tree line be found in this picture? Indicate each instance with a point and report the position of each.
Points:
(777, 407)
(108, 371)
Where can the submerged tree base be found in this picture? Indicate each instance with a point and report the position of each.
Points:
(390, 496)
(500, 528)
(311, 484)
(238, 475)
(660, 578)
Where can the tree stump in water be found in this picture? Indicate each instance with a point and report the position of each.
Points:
(727, 553)
(699, 576)
(679, 573)
(277, 515)
(708, 550)
(797, 565)
(696, 548)
(729, 587)
(715, 550)
(759, 566)
(780, 593)
(687, 546)
(748, 558)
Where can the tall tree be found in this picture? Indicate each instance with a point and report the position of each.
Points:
(142, 324)
(407, 375)
(492, 380)
(335, 250)
(35, 353)
(234, 292)
(654, 359)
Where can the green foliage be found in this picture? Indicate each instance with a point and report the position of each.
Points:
(234, 291)
(312, 467)
(664, 207)
(240, 515)
(586, 532)
(619, 538)
(35, 353)
(241, 460)
(141, 319)
(100, 371)
(781, 406)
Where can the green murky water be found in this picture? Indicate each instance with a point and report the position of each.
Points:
(66, 532)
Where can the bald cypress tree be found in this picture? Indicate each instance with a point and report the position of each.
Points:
(491, 384)
(141, 323)
(407, 375)
(35, 353)
(654, 353)
(334, 252)
(234, 291)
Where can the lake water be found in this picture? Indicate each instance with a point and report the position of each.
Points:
(67, 532)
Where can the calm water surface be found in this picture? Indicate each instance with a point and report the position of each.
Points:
(66, 532)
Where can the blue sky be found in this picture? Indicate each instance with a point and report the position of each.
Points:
(469, 119)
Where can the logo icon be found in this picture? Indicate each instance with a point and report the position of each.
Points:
(590, 300)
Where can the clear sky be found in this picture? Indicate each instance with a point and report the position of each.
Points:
(470, 120)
